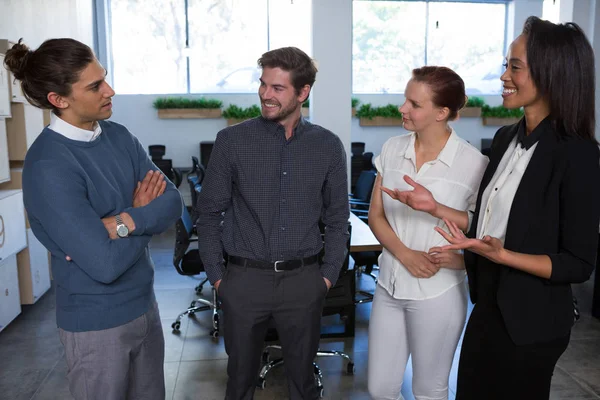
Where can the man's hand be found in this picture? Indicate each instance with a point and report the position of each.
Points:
(217, 284)
(327, 283)
(419, 264)
(152, 186)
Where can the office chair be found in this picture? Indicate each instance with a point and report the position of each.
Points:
(365, 262)
(205, 151)
(357, 148)
(339, 300)
(156, 151)
(360, 199)
(195, 178)
(166, 167)
(188, 263)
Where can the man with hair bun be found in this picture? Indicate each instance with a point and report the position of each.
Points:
(94, 199)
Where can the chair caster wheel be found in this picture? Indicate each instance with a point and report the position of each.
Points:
(214, 334)
(199, 290)
(350, 368)
(321, 392)
(265, 357)
(176, 326)
(261, 383)
(192, 314)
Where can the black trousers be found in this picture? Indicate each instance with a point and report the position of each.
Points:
(294, 300)
(492, 367)
(596, 300)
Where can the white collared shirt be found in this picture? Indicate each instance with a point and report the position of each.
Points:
(72, 132)
(453, 178)
(498, 196)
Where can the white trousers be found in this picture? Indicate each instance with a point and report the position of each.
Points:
(428, 330)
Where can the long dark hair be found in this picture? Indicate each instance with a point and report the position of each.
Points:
(53, 67)
(561, 64)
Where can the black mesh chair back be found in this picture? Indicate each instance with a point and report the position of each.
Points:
(357, 148)
(156, 151)
(364, 186)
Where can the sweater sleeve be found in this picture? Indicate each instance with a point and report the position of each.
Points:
(56, 197)
(162, 212)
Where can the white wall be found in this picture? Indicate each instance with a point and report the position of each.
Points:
(38, 20)
(332, 49)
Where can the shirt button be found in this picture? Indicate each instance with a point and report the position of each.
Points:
(285, 173)
(496, 189)
(283, 228)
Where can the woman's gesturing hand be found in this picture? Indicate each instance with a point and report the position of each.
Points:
(419, 198)
(488, 247)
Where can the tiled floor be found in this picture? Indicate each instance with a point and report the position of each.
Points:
(32, 364)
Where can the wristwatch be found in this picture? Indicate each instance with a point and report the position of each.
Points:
(122, 229)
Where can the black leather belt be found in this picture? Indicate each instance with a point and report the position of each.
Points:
(278, 266)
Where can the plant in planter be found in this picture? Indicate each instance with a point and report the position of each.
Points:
(499, 116)
(235, 114)
(379, 116)
(473, 107)
(305, 108)
(354, 101)
(180, 107)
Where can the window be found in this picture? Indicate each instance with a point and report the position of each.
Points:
(551, 11)
(393, 37)
(199, 46)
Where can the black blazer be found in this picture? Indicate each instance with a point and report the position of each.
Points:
(555, 211)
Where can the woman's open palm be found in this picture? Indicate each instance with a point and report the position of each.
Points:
(420, 198)
(488, 247)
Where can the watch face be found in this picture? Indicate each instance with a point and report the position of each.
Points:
(122, 230)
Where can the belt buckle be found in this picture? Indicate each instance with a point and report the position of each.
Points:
(275, 266)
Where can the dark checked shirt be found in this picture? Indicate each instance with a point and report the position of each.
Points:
(263, 196)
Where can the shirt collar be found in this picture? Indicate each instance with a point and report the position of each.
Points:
(72, 132)
(446, 155)
(526, 141)
(275, 127)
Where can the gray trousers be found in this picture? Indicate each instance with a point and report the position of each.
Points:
(121, 363)
(254, 299)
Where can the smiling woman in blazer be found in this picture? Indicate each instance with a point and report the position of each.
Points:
(535, 228)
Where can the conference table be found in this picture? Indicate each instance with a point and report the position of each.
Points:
(362, 239)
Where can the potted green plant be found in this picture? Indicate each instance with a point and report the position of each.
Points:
(379, 116)
(500, 116)
(305, 108)
(355, 101)
(181, 107)
(473, 108)
(235, 114)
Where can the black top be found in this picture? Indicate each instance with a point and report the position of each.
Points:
(273, 192)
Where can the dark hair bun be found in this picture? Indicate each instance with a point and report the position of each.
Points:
(16, 59)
